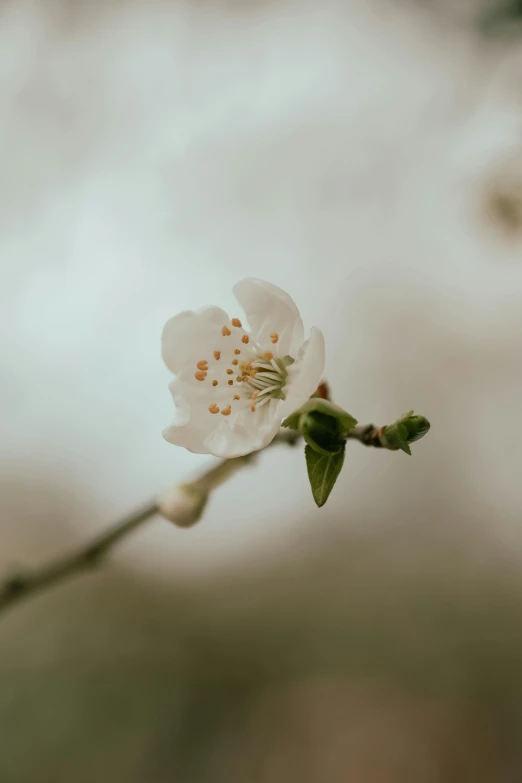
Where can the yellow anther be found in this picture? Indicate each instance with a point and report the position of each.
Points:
(255, 394)
(236, 397)
(202, 365)
(213, 408)
(231, 383)
(252, 406)
(225, 331)
(248, 365)
(200, 375)
(237, 351)
(236, 322)
(274, 337)
(245, 339)
(268, 355)
(214, 383)
(230, 372)
(235, 362)
(217, 355)
(240, 378)
(226, 411)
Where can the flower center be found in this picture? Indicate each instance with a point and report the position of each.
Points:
(245, 374)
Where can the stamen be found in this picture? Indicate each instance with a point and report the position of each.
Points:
(214, 383)
(226, 332)
(262, 402)
(272, 375)
(236, 397)
(240, 378)
(226, 411)
(202, 365)
(246, 339)
(274, 337)
(235, 362)
(269, 389)
(200, 375)
(230, 372)
(217, 355)
(275, 366)
(236, 322)
(237, 351)
(268, 355)
(213, 408)
(231, 383)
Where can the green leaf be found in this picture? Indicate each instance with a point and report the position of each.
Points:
(323, 471)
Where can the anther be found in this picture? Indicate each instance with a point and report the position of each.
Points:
(236, 322)
(235, 362)
(200, 375)
(246, 339)
(226, 411)
(231, 383)
(236, 397)
(202, 365)
(252, 406)
(230, 372)
(274, 337)
(268, 355)
(214, 383)
(237, 351)
(255, 394)
(217, 355)
(225, 331)
(213, 408)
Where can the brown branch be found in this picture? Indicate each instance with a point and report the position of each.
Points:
(370, 435)
(22, 585)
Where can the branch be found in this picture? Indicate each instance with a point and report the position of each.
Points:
(22, 585)
(368, 435)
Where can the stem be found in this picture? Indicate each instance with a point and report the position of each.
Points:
(369, 435)
(22, 585)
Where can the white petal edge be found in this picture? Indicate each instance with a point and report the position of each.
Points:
(189, 336)
(305, 374)
(270, 309)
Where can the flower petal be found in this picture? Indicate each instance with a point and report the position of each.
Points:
(270, 310)
(305, 374)
(246, 432)
(189, 336)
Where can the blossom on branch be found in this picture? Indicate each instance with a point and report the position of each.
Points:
(235, 383)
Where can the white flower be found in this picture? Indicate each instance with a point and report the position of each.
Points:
(233, 386)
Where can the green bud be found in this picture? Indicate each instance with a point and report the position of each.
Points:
(407, 429)
(323, 425)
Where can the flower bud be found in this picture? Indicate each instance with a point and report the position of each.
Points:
(183, 504)
(323, 425)
(407, 429)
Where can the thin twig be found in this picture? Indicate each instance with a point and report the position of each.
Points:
(369, 435)
(20, 586)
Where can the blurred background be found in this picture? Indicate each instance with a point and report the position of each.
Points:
(366, 156)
